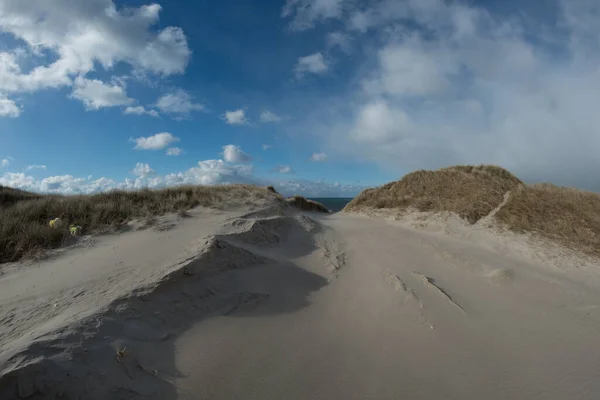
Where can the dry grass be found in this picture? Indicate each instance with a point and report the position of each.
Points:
(10, 196)
(304, 204)
(568, 216)
(24, 216)
(471, 192)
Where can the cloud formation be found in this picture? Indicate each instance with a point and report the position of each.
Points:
(317, 157)
(237, 117)
(178, 102)
(155, 142)
(96, 94)
(32, 167)
(305, 13)
(312, 64)
(174, 151)
(268, 116)
(234, 154)
(143, 170)
(79, 36)
(283, 169)
(140, 110)
(8, 108)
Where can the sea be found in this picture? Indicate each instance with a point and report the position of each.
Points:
(335, 204)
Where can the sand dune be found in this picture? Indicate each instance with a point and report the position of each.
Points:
(273, 303)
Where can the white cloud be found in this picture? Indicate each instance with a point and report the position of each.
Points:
(377, 123)
(143, 170)
(96, 94)
(306, 12)
(312, 64)
(19, 181)
(266, 146)
(32, 167)
(234, 154)
(155, 142)
(174, 151)
(64, 183)
(317, 157)
(5, 163)
(8, 108)
(414, 68)
(79, 35)
(237, 117)
(268, 116)
(140, 110)
(339, 39)
(283, 169)
(178, 102)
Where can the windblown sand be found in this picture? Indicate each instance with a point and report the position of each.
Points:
(276, 304)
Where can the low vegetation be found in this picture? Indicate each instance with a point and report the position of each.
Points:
(24, 217)
(471, 192)
(568, 216)
(10, 196)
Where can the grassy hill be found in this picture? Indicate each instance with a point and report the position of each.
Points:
(569, 216)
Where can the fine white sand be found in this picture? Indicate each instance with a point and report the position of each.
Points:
(275, 304)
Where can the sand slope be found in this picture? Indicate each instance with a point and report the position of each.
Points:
(276, 304)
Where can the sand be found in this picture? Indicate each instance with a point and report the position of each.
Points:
(277, 304)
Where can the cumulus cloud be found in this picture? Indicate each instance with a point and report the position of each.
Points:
(5, 163)
(237, 117)
(80, 35)
(96, 94)
(155, 142)
(140, 110)
(312, 64)
(174, 151)
(234, 154)
(178, 102)
(317, 157)
(268, 116)
(8, 108)
(460, 85)
(32, 167)
(142, 170)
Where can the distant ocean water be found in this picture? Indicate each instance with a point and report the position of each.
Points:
(335, 204)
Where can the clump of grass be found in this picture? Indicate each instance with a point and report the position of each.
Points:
(470, 191)
(24, 217)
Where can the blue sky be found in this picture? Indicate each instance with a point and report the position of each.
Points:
(318, 97)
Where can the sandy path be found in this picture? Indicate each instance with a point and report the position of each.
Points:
(272, 305)
(404, 319)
